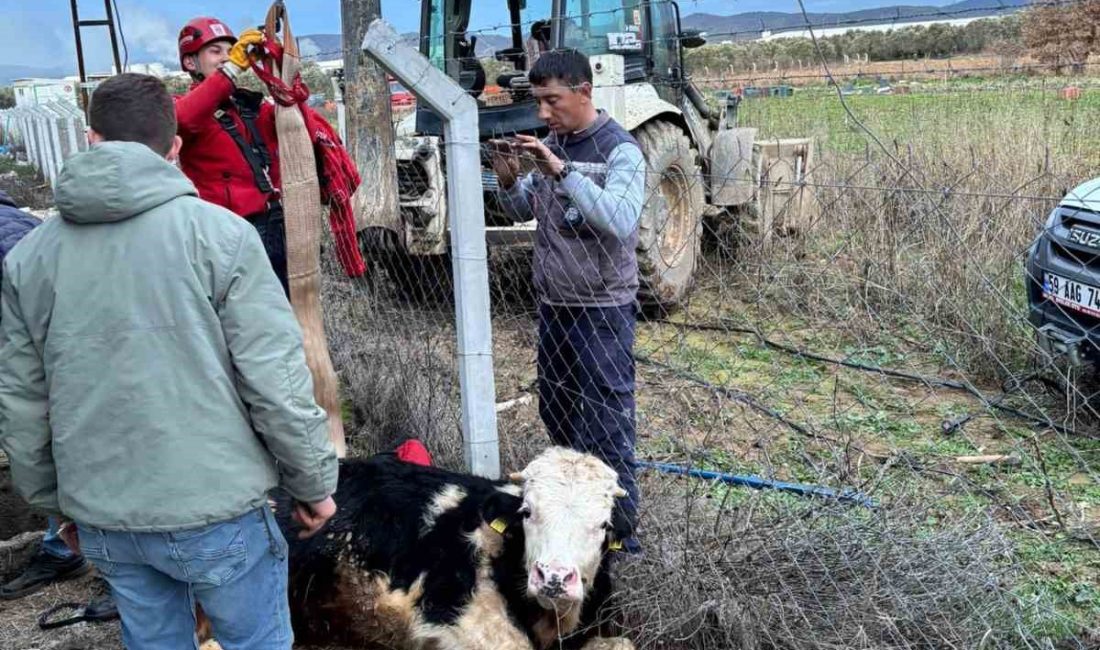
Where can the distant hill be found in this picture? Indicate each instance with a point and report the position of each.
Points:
(749, 25)
(9, 73)
(323, 47)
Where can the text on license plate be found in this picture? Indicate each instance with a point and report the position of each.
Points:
(1075, 295)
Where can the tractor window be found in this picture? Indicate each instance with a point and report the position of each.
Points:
(490, 21)
(435, 38)
(602, 26)
(459, 35)
(666, 41)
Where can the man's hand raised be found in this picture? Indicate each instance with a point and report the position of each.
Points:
(549, 164)
(505, 163)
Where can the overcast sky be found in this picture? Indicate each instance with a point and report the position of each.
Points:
(39, 32)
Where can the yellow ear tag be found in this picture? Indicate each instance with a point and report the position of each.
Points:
(499, 525)
(615, 545)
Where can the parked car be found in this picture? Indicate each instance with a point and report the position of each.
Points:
(1062, 275)
(400, 97)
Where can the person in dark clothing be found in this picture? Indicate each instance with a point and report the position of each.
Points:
(53, 562)
(14, 224)
(587, 195)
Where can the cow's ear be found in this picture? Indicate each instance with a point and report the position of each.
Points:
(501, 510)
(621, 529)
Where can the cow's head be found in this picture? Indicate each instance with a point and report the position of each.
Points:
(567, 505)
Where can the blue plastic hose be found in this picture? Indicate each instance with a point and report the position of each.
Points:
(758, 483)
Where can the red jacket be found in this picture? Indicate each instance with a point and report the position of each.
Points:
(210, 157)
(222, 175)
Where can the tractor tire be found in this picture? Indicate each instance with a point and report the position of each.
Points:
(421, 279)
(670, 231)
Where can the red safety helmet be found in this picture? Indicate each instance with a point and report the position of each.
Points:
(200, 32)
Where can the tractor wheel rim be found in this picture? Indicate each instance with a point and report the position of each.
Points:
(675, 231)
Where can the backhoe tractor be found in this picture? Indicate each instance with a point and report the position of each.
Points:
(701, 164)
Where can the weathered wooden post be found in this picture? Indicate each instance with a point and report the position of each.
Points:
(369, 121)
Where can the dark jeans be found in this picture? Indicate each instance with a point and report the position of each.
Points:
(272, 229)
(586, 385)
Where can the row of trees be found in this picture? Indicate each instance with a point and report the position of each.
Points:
(314, 77)
(1063, 35)
(938, 40)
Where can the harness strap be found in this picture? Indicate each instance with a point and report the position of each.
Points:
(248, 116)
(255, 154)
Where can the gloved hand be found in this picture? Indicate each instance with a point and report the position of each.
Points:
(238, 54)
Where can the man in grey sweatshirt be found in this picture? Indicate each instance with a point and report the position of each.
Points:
(587, 195)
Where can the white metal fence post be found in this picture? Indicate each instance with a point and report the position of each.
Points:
(468, 249)
(53, 122)
(49, 133)
(26, 124)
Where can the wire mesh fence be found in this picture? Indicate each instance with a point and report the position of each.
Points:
(862, 326)
(856, 335)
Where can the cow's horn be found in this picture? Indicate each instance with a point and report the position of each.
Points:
(516, 477)
(619, 493)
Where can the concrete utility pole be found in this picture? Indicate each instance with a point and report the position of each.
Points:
(369, 122)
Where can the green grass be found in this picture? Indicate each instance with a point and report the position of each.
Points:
(1005, 131)
(26, 172)
(1060, 593)
(942, 119)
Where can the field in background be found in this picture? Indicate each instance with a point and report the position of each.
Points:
(811, 73)
(928, 203)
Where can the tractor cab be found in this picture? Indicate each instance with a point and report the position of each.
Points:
(699, 161)
(488, 47)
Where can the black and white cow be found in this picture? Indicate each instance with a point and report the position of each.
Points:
(419, 557)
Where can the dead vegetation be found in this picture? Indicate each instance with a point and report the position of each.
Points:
(728, 570)
(931, 566)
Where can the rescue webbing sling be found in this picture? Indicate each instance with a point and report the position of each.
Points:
(301, 193)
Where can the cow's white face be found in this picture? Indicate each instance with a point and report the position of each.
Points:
(568, 504)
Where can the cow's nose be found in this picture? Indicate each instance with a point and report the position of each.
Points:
(554, 581)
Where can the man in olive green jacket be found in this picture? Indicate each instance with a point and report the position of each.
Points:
(153, 386)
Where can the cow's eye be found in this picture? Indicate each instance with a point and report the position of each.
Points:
(525, 512)
(607, 526)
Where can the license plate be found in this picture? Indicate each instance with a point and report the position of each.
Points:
(1084, 237)
(1075, 295)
